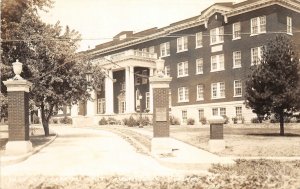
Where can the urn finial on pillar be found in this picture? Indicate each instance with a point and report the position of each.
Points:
(17, 67)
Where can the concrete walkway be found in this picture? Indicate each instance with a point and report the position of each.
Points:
(79, 151)
(186, 156)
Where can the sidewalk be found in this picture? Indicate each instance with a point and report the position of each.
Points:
(186, 156)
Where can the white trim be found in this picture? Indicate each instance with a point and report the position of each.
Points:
(184, 90)
(196, 39)
(184, 39)
(185, 66)
(165, 46)
(218, 58)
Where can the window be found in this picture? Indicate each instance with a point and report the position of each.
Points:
(184, 116)
(145, 77)
(219, 111)
(137, 78)
(147, 100)
(217, 35)
(182, 44)
(258, 25)
(217, 63)
(256, 54)
(218, 90)
(289, 25)
(167, 70)
(165, 49)
(198, 39)
(122, 106)
(199, 66)
(182, 69)
(100, 105)
(200, 92)
(151, 49)
(222, 111)
(237, 59)
(123, 87)
(237, 88)
(236, 28)
(239, 112)
(183, 94)
(201, 114)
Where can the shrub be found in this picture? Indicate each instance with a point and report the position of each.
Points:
(55, 121)
(66, 120)
(203, 120)
(255, 120)
(103, 121)
(131, 122)
(234, 120)
(226, 119)
(190, 121)
(294, 120)
(111, 121)
(174, 120)
(125, 121)
(144, 121)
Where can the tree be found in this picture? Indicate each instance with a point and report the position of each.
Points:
(50, 63)
(273, 85)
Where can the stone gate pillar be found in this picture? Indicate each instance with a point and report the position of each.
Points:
(18, 113)
(216, 141)
(160, 143)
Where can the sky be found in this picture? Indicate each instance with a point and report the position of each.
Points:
(99, 20)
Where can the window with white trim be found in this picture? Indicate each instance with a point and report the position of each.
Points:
(256, 54)
(219, 111)
(237, 88)
(165, 49)
(137, 78)
(201, 114)
(182, 44)
(182, 69)
(100, 105)
(167, 70)
(218, 90)
(184, 116)
(217, 35)
(183, 94)
(236, 30)
(217, 62)
(258, 25)
(199, 40)
(122, 106)
(237, 59)
(239, 112)
(199, 66)
(148, 100)
(145, 77)
(200, 92)
(289, 26)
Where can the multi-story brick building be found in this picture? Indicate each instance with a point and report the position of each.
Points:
(208, 57)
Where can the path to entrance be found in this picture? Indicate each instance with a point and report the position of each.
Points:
(79, 151)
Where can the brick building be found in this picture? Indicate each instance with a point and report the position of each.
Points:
(208, 56)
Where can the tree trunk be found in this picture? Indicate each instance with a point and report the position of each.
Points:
(281, 119)
(45, 122)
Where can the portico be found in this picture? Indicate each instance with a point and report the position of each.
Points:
(126, 81)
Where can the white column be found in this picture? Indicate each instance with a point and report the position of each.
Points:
(90, 105)
(74, 110)
(127, 89)
(151, 73)
(109, 93)
(131, 90)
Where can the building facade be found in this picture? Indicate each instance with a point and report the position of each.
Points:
(208, 57)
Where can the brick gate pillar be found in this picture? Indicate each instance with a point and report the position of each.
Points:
(18, 113)
(160, 143)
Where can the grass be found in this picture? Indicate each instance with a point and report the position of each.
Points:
(255, 141)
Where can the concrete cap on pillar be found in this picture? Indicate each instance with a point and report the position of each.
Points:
(216, 120)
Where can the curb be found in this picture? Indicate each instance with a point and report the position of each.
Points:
(16, 159)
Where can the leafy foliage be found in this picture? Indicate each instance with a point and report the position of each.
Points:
(273, 85)
(50, 61)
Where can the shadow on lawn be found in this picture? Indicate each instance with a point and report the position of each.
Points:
(274, 134)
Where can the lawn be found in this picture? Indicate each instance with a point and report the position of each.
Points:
(244, 140)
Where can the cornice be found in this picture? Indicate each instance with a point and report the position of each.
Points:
(203, 19)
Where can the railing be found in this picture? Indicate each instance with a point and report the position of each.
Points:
(126, 54)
